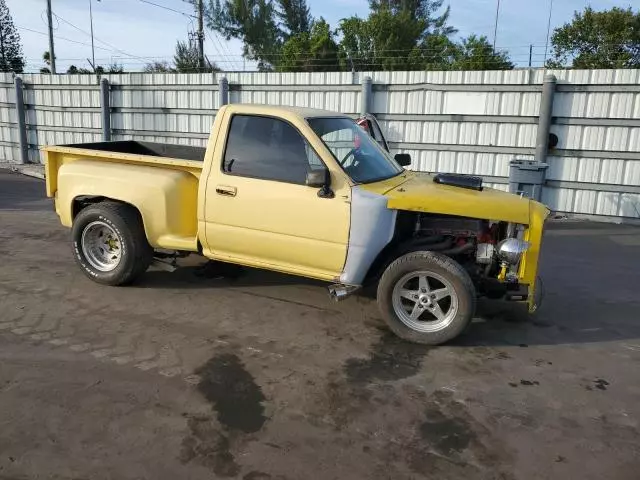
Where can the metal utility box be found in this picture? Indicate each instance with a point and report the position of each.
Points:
(526, 177)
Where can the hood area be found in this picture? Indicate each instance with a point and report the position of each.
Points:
(419, 193)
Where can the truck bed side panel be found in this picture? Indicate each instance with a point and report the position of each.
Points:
(166, 198)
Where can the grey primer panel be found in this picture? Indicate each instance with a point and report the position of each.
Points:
(372, 227)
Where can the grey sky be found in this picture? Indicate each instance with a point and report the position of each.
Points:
(133, 33)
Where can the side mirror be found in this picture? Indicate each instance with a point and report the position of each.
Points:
(403, 159)
(320, 178)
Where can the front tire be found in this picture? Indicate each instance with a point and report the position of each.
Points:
(109, 243)
(426, 298)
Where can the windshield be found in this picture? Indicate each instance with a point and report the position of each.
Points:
(358, 154)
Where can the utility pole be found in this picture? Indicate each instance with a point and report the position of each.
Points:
(530, 55)
(52, 55)
(546, 45)
(495, 31)
(93, 50)
(200, 36)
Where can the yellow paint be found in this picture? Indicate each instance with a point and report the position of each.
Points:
(267, 224)
(418, 192)
(166, 197)
(275, 225)
(56, 156)
(503, 273)
(528, 272)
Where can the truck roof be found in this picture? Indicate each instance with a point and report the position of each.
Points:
(283, 111)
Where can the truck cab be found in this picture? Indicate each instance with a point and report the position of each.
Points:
(304, 192)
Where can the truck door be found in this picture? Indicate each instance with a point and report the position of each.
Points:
(259, 210)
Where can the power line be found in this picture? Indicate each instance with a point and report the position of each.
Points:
(61, 38)
(114, 48)
(495, 31)
(546, 46)
(168, 8)
(222, 45)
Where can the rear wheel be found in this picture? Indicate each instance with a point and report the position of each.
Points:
(109, 243)
(426, 298)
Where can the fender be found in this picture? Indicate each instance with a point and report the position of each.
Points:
(166, 199)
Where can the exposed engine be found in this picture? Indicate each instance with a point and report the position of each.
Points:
(458, 236)
(473, 242)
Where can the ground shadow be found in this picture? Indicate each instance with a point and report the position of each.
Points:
(204, 274)
(588, 292)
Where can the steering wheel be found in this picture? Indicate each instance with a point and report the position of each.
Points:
(349, 153)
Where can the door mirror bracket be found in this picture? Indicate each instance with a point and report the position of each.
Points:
(326, 192)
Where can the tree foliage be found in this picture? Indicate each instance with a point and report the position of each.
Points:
(11, 57)
(399, 35)
(295, 17)
(113, 68)
(476, 53)
(314, 51)
(158, 67)
(251, 21)
(607, 39)
(396, 35)
(185, 60)
(46, 58)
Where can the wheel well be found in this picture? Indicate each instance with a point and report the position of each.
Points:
(82, 202)
(422, 231)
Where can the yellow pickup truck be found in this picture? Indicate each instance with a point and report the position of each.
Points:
(305, 192)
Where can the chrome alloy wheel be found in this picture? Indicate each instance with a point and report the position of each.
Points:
(101, 246)
(425, 301)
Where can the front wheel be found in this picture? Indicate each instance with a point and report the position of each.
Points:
(426, 298)
(109, 243)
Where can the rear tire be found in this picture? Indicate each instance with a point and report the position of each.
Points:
(110, 244)
(426, 298)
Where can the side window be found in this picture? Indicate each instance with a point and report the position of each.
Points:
(269, 149)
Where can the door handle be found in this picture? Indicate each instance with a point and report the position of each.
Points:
(226, 191)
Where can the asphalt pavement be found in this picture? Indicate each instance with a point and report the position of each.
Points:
(256, 375)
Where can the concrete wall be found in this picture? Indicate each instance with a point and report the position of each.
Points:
(466, 122)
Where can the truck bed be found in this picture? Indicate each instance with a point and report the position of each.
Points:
(163, 155)
(164, 150)
(160, 180)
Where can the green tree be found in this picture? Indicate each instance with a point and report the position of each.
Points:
(398, 35)
(46, 58)
(425, 11)
(186, 59)
(99, 69)
(314, 51)
(476, 53)
(357, 43)
(158, 67)
(263, 26)
(115, 68)
(11, 57)
(251, 21)
(295, 17)
(607, 39)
